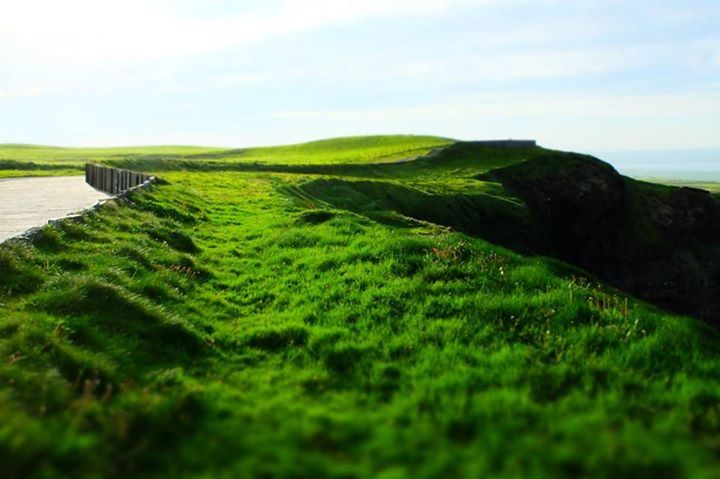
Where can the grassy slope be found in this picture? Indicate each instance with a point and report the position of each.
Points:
(351, 150)
(52, 154)
(231, 324)
(29, 160)
(32, 160)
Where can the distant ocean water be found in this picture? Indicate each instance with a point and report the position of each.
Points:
(695, 165)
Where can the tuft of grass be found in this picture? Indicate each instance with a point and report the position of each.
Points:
(275, 339)
(315, 217)
(17, 276)
(176, 240)
(98, 305)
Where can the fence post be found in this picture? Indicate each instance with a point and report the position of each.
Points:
(113, 180)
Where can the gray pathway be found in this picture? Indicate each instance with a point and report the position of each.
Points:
(29, 202)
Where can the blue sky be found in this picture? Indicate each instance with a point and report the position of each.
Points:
(575, 74)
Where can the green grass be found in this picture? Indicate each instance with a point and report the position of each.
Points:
(52, 154)
(275, 324)
(352, 150)
(711, 186)
(40, 172)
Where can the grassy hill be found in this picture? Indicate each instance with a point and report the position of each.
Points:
(325, 319)
(33, 160)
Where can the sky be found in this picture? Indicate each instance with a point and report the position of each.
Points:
(582, 75)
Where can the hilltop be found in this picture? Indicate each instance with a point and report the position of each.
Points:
(366, 307)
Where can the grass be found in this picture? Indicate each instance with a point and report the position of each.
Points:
(52, 154)
(276, 324)
(351, 150)
(40, 172)
(32, 160)
(711, 186)
(15, 168)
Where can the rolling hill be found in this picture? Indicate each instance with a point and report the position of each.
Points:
(29, 160)
(331, 310)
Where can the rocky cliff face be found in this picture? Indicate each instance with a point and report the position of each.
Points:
(659, 243)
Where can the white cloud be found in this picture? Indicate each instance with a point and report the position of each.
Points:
(238, 79)
(120, 58)
(85, 31)
(91, 31)
(22, 92)
(512, 65)
(491, 65)
(516, 104)
(570, 121)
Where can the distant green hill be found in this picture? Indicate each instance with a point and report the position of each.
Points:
(36, 160)
(39, 153)
(361, 149)
(351, 150)
(366, 307)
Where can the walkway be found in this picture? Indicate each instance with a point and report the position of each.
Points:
(29, 202)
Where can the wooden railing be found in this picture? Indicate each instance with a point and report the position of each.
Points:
(114, 180)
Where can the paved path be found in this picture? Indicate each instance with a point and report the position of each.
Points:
(29, 202)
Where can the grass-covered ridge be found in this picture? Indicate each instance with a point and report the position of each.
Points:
(349, 150)
(32, 160)
(329, 324)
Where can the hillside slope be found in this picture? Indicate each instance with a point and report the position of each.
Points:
(32, 160)
(275, 324)
(657, 242)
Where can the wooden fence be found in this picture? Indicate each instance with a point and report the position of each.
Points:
(506, 143)
(113, 180)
